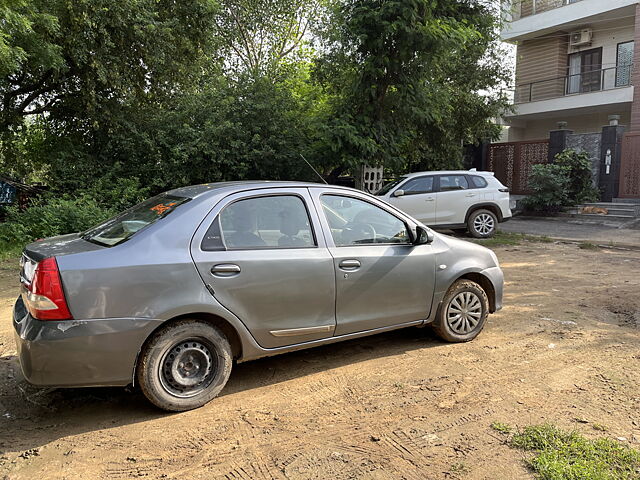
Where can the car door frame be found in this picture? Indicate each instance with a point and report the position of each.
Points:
(411, 224)
(291, 335)
(434, 193)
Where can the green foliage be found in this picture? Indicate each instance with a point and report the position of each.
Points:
(406, 78)
(567, 181)
(51, 216)
(74, 59)
(561, 455)
(550, 184)
(578, 167)
(501, 427)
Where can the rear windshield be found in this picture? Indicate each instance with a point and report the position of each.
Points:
(127, 224)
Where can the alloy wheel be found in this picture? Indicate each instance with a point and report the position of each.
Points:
(484, 224)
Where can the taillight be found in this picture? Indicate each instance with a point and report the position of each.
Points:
(45, 296)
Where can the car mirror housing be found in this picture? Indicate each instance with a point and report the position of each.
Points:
(398, 193)
(423, 236)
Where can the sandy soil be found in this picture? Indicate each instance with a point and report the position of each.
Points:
(399, 406)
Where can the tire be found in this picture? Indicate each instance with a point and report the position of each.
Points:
(184, 365)
(482, 223)
(462, 293)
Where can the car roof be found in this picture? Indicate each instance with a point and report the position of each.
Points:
(225, 187)
(449, 172)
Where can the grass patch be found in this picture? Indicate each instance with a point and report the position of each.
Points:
(501, 239)
(587, 246)
(561, 455)
(10, 251)
(501, 427)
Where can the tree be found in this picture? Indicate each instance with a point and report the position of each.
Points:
(259, 36)
(410, 79)
(65, 58)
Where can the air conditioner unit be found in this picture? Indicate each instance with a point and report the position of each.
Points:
(581, 37)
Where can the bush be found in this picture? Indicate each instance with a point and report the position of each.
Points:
(53, 214)
(550, 185)
(50, 216)
(567, 181)
(578, 170)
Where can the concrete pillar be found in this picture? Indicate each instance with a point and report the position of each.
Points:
(558, 141)
(610, 158)
(634, 127)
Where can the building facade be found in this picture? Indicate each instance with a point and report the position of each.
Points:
(575, 64)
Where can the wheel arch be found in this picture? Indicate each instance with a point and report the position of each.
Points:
(227, 328)
(492, 207)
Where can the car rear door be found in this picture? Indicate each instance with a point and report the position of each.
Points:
(419, 199)
(454, 199)
(381, 279)
(262, 255)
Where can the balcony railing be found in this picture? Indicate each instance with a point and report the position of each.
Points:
(517, 9)
(576, 84)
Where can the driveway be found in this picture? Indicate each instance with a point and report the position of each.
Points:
(401, 405)
(571, 229)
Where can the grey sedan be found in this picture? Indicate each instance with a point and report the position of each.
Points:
(171, 292)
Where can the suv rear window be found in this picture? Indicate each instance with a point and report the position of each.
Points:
(127, 224)
(478, 182)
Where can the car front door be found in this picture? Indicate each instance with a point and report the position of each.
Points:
(381, 279)
(418, 199)
(262, 255)
(454, 199)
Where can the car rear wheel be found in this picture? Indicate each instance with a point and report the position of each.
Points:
(184, 365)
(463, 312)
(482, 223)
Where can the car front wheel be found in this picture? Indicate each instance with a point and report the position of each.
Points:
(463, 312)
(482, 223)
(184, 365)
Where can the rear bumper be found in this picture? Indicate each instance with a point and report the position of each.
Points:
(496, 277)
(79, 353)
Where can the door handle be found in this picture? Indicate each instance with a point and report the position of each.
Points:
(471, 195)
(225, 270)
(350, 264)
(430, 199)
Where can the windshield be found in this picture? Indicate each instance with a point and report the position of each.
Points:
(127, 224)
(389, 186)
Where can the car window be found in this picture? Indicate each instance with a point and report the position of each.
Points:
(453, 182)
(127, 224)
(418, 185)
(356, 222)
(262, 222)
(478, 182)
(388, 186)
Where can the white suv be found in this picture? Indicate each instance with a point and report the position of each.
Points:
(456, 200)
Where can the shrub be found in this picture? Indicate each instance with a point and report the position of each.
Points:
(578, 170)
(567, 181)
(53, 214)
(49, 216)
(550, 185)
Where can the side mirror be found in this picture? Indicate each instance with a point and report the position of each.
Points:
(423, 236)
(398, 193)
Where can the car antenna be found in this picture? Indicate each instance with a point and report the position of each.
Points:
(314, 170)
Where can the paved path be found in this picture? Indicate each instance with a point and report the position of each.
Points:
(570, 229)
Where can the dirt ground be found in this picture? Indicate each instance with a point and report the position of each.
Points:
(401, 405)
